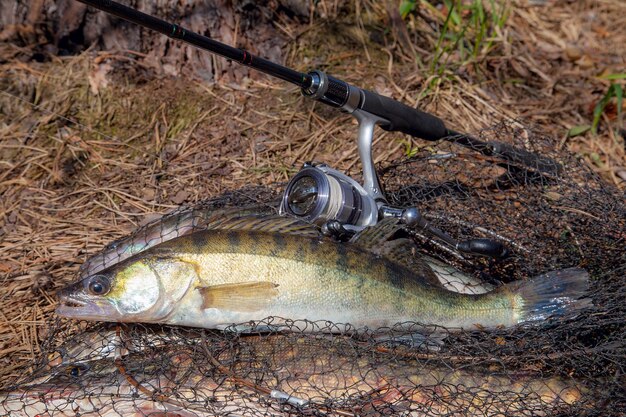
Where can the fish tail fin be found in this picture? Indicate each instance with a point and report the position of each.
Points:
(554, 293)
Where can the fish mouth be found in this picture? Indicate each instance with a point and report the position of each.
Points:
(72, 306)
(68, 301)
(30, 395)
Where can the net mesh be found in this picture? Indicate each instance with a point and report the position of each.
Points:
(572, 365)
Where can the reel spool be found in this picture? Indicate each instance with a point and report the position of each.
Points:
(318, 194)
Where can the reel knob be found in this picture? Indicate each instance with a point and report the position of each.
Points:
(412, 217)
(483, 247)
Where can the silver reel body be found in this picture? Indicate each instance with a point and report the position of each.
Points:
(319, 194)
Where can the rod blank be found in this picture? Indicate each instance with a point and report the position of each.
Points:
(171, 30)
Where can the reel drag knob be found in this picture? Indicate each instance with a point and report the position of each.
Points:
(303, 196)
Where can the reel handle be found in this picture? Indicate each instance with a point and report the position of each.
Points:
(483, 247)
(413, 219)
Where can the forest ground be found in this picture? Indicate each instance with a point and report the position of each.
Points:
(94, 144)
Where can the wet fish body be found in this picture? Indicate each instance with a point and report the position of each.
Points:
(214, 278)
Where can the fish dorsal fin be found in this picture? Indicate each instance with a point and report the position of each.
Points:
(242, 296)
(372, 238)
(404, 252)
(269, 223)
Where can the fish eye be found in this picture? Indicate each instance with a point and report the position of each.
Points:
(73, 371)
(99, 285)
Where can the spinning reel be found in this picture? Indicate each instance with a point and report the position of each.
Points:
(328, 198)
(342, 207)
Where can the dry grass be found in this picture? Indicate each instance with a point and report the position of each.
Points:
(92, 146)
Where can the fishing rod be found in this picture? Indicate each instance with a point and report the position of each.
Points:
(329, 198)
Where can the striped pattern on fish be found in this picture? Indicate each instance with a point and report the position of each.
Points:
(215, 278)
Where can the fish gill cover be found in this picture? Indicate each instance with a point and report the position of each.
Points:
(572, 365)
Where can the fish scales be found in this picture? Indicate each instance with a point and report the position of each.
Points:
(216, 278)
(321, 276)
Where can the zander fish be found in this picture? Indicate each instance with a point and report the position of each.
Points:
(184, 222)
(333, 376)
(106, 388)
(215, 278)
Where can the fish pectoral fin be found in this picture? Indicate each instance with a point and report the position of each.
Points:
(243, 296)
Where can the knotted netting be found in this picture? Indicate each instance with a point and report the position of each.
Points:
(549, 219)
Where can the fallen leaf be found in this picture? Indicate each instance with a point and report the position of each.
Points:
(5, 267)
(551, 195)
(573, 52)
(148, 194)
(602, 32)
(181, 196)
(578, 130)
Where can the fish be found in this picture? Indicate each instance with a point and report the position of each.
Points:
(106, 388)
(340, 373)
(280, 375)
(184, 222)
(215, 278)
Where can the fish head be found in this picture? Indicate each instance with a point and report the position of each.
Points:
(48, 392)
(138, 290)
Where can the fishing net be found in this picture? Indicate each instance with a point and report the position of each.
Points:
(572, 365)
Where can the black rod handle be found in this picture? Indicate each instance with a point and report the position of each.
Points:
(403, 118)
(177, 32)
(507, 152)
